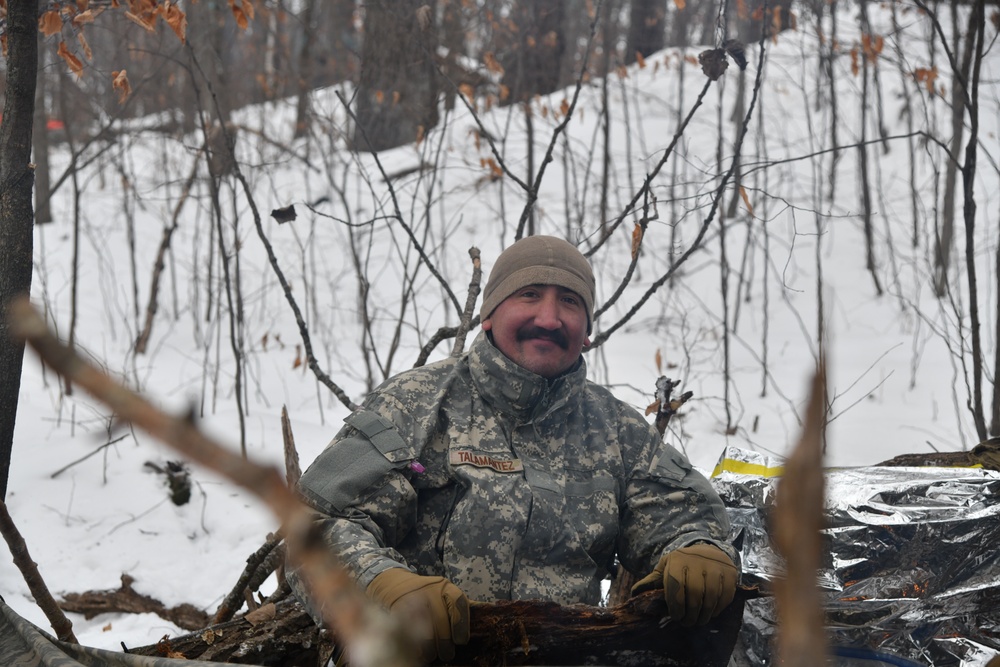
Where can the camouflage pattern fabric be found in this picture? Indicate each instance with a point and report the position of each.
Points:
(510, 485)
(22, 644)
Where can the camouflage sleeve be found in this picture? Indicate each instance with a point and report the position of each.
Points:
(359, 486)
(667, 505)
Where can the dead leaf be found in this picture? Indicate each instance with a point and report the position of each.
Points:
(637, 233)
(242, 11)
(176, 19)
(659, 361)
(72, 61)
(640, 60)
(492, 64)
(653, 407)
(87, 53)
(926, 76)
(83, 18)
(424, 17)
(680, 4)
(50, 23)
(564, 107)
(746, 200)
(119, 82)
(855, 67)
(145, 21)
(106, 628)
(261, 614)
(209, 636)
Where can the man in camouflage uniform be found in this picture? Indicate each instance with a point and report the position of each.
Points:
(506, 474)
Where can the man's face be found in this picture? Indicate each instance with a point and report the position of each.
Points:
(542, 328)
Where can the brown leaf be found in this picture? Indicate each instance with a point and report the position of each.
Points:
(50, 23)
(87, 53)
(742, 11)
(242, 12)
(145, 21)
(495, 170)
(72, 61)
(424, 17)
(468, 92)
(640, 60)
(746, 200)
(659, 361)
(637, 233)
(119, 82)
(680, 4)
(261, 614)
(176, 19)
(492, 64)
(564, 107)
(83, 18)
(855, 67)
(653, 407)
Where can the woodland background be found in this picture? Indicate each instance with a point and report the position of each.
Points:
(237, 207)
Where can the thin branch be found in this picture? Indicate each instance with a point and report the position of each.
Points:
(470, 303)
(22, 559)
(696, 244)
(399, 214)
(537, 184)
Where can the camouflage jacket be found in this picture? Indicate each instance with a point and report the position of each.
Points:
(509, 485)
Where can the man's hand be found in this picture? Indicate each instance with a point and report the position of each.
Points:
(698, 582)
(436, 608)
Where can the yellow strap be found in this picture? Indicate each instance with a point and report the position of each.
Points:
(743, 468)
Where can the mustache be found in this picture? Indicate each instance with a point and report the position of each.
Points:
(556, 336)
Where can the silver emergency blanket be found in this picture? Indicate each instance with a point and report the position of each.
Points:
(912, 571)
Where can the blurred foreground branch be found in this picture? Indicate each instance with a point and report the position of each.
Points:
(372, 639)
(796, 531)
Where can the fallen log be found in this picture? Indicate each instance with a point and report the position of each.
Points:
(525, 632)
(126, 600)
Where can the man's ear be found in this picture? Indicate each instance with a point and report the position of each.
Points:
(487, 324)
(586, 341)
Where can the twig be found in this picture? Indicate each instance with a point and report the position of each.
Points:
(87, 456)
(292, 469)
(470, 303)
(19, 550)
(399, 214)
(371, 637)
(233, 602)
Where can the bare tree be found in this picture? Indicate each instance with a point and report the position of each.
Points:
(398, 87)
(16, 215)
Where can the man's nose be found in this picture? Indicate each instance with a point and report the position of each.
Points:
(547, 314)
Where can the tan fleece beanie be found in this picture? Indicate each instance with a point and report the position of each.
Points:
(539, 260)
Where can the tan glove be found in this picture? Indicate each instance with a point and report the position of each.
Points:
(433, 606)
(698, 582)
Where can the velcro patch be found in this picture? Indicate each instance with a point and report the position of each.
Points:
(462, 457)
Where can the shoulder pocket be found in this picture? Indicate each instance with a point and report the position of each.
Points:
(670, 464)
(349, 468)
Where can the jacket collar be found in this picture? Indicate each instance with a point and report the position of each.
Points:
(516, 391)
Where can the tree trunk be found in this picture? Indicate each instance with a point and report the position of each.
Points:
(647, 28)
(303, 109)
(398, 89)
(16, 214)
(532, 49)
